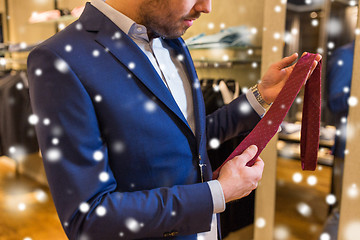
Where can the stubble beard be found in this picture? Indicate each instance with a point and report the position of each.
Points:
(157, 25)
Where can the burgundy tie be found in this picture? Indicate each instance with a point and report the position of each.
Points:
(269, 124)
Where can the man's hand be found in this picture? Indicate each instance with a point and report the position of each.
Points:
(238, 180)
(276, 76)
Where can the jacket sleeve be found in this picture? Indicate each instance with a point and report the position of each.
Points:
(80, 177)
(237, 118)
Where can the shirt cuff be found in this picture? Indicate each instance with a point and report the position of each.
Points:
(217, 196)
(255, 104)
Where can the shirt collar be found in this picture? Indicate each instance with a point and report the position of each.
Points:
(126, 24)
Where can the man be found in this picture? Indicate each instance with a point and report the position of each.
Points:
(122, 125)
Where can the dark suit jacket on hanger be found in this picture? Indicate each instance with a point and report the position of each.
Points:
(148, 150)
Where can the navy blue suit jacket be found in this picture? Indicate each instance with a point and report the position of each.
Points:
(123, 144)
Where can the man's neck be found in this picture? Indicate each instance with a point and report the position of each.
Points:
(128, 8)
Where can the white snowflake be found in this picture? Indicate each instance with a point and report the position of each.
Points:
(27, 238)
(131, 65)
(196, 85)
(260, 222)
(315, 22)
(346, 89)
(21, 206)
(294, 31)
(277, 8)
(297, 177)
(96, 53)
(56, 131)
(68, 48)
(222, 25)
(304, 209)
(61, 66)
(3, 61)
(150, 106)
(320, 50)
(277, 35)
(41, 195)
(180, 57)
(352, 3)
(250, 52)
(118, 147)
(325, 236)
(245, 108)
(46, 121)
(254, 65)
(104, 176)
(214, 143)
(132, 225)
(357, 31)
(352, 101)
(216, 88)
(19, 86)
(312, 180)
(98, 98)
(269, 122)
(98, 155)
(253, 30)
(12, 150)
(33, 119)
(53, 155)
(55, 141)
(352, 230)
(353, 191)
(78, 26)
(173, 213)
(211, 25)
(61, 26)
(117, 35)
(287, 37)
(244, 89)
(308, 2)
(298, 100)
(274, 48)
(100, 211)
(334, 27)
(331, 199)
(225, 57)
(23, 45)
(121, 234)
(84, 207)
(340, 63)
(38, 72)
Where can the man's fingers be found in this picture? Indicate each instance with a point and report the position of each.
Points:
(286, 61)
(247, 155)
(259, 163)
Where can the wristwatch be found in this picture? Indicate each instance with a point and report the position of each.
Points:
(255, 90)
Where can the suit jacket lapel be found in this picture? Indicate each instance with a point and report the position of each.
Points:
(129, 55)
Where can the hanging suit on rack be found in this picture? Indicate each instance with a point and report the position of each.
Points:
(17, 135)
